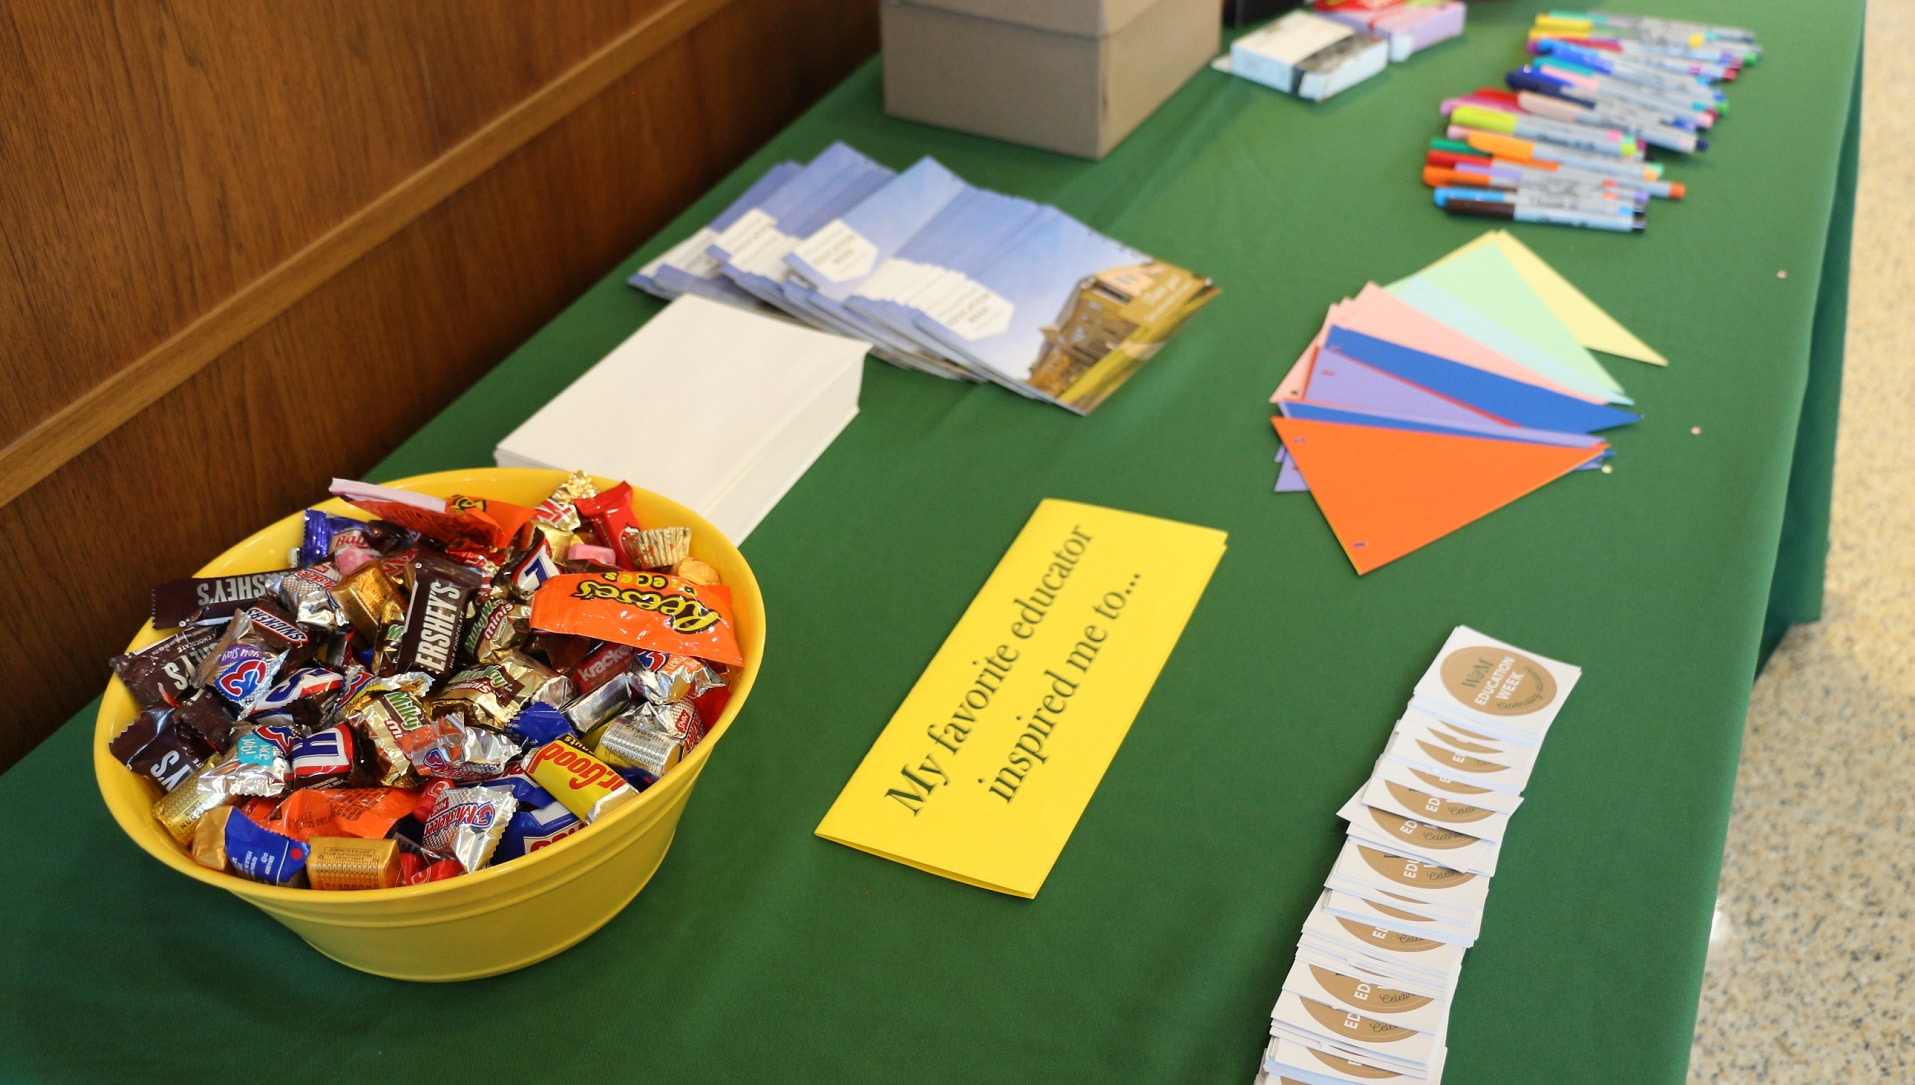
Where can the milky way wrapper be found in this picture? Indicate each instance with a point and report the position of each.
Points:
(656, 611)
(1494, 688)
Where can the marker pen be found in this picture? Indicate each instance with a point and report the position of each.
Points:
(1516, 213)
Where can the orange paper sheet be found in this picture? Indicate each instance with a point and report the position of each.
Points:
(1387, 492)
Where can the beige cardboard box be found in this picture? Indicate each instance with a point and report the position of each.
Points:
(1066, 75)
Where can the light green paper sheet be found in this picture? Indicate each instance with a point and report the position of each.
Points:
(1482, 294)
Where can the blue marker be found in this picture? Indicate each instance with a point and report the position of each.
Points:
(1535, 197)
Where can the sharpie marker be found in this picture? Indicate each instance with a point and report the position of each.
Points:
(1650, 22)
(1656, 135)
(1651, 109)
(1588, 140)
(1448, 154)
(1507, 146)
(1620, 68)
(1560, 131)
(1711, 68)
(1523, 197)
(1516, 213)
(1600, 110)
(1694, 47)
(1470, 174)
(1590, 82)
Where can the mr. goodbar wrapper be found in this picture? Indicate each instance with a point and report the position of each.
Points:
(657, 611)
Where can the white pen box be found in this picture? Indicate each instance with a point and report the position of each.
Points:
(719, 409)
(1307, 55)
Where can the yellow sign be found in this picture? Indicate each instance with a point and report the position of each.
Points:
(984, 770)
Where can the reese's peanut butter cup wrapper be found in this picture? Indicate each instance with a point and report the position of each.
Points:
(350, 862)
(209, 839)
(655, 611)
(658, 547)
(586, 785)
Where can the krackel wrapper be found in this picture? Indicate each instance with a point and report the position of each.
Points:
(1394, 912)
(1415, 838)
(655, 611)
(1494, 688)
(1360, 991)
(1433, 887)
(1419, 777)
(1285, 1060)
(1355, 1035)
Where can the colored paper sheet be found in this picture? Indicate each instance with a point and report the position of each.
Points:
(1512, 401)
(1593, 328)
(1388, 492)
(1289, 479)
(1293, 383)
(1486, 280)
(1337, 380)
(1377, 312)
(1495, 431)
(1433, 301)
(987, 765)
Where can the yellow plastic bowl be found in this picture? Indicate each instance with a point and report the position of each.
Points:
(500, 918)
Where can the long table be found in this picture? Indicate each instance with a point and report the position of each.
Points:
(1158, 945)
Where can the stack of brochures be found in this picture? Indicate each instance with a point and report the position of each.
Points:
(1368, 997)
(1320, 53)
(1430, 403)
(938, 275)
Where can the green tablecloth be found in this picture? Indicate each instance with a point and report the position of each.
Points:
(1157, 947)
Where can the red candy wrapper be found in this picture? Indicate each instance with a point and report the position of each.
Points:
(656, 611)
(610, 514)
(453, 520)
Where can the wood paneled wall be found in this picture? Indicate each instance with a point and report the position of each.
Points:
(251, 245)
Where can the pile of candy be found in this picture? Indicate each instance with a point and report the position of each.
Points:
(447, 687)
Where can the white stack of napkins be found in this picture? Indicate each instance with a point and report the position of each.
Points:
(715, 407)
(1368, 999)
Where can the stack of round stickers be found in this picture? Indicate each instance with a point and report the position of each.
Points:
(1368, 998)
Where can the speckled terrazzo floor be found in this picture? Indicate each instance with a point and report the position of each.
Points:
(1813, 954)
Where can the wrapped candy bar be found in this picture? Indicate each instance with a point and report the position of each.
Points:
(411, 702)
(468, 823)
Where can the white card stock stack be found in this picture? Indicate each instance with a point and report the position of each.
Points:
(1368, 998)
(715, 407)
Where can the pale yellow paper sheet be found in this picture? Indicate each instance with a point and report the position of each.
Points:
(1592, 327)
(985, 768)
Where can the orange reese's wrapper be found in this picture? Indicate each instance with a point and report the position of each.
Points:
(655, 611)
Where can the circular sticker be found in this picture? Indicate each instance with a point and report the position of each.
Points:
(1498, 681)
